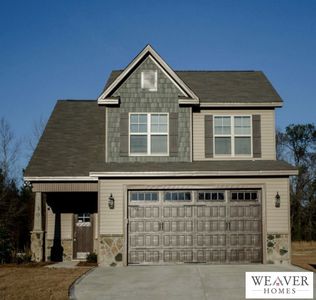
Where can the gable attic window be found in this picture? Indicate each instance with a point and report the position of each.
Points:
(232, 136)
(149, 80)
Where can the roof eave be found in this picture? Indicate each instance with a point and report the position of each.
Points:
(196, 173)
(59, 178)
(241, 104)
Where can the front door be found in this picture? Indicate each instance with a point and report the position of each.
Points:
(83, 235)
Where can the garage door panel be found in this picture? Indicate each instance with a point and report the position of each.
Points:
(213, 229)
(177, 226)
(211, 255)
(211, 211)
(177, 256)
(177, 211)
(179, 240)
(214, 240)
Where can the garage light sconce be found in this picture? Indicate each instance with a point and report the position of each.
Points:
(111, 202)
(277, 200)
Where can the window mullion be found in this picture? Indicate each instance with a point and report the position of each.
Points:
(148, 134)
(233, 135)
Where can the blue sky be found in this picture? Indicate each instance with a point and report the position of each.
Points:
(53, 50)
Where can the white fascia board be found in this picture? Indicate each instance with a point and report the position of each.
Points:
(241, 104)
(188, 101)
(60, 178)
(160, 61)
(108, 101)
(196, 174)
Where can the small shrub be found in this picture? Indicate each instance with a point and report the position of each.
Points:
(23, 257)
(92, 257)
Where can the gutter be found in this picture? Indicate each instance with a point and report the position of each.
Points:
(196, 173)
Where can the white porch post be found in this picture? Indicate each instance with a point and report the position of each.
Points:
(37, 234)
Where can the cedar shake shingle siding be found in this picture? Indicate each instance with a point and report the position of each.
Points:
(134, 99)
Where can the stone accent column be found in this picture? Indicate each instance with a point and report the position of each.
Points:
(111, 250)
(278, 248)
(37, 234)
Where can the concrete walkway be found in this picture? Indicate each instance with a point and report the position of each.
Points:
(185, 282)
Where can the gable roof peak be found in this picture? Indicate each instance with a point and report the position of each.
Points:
(189, 94)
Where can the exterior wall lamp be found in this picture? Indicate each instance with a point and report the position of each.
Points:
(277, 200)
(111, 202)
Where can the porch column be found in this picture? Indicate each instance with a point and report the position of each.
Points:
(37, 234)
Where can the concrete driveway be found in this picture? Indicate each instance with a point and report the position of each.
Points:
(185, 282)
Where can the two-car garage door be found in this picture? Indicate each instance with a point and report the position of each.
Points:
(188, 226)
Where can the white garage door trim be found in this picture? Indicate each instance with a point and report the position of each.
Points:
(196, 208)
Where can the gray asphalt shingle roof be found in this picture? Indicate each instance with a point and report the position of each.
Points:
(72, 142)
(225, 86)
(73, 145)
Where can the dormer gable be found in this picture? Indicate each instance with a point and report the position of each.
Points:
(148, 79)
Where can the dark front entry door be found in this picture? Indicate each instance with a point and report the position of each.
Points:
(83, 235)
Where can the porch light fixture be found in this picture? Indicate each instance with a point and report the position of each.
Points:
(277, 200)
(111, 202)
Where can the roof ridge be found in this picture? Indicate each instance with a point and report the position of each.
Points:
(213, 71)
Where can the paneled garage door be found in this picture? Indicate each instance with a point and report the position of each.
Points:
(194, 226)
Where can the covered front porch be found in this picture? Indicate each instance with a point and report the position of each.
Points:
(65, 221)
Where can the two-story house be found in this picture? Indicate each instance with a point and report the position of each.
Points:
(164, 167)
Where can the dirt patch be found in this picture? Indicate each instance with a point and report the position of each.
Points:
(87, 264)
(37, 283)
(304, 255)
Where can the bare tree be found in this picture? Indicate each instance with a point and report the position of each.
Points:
(37, 132)
(297, 144)
(9, 150)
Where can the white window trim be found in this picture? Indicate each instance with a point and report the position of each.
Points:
(156, 81)
(232, 135)
(148, 133)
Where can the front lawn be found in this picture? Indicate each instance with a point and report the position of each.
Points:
(37, 283)
(304, 255)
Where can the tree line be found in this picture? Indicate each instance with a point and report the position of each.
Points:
(296, 145)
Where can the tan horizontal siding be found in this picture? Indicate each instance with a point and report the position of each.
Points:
(267, 131)
(111, 220)
(275, 219)
(65, 187)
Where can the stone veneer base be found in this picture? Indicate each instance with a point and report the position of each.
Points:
(37, 245)
(111, 250)
(278, 248)
(67, 249)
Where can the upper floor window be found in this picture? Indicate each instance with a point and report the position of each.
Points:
(232, 136)
(148, 134)
(149, 80)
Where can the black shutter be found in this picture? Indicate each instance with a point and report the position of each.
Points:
(173, 134)
(208, 134)
(124, 134)
(256, 135)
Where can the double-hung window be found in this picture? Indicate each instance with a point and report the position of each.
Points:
(148, 134)
(232, 136)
